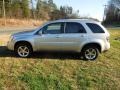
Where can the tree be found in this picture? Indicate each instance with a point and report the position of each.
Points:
(32, 9)
(65, 12)
(42, 10)
(52, 5)
(16, 9)
(6, 7)
(45, 9)
(50, 2)
(25, 8)
(112, 12)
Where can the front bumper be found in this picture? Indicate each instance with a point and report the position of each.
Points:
(10, 45)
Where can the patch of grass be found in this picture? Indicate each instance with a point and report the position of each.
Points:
(56, 73)
(39, 81)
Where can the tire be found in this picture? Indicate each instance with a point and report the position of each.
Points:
(23, 50)
(90, 53)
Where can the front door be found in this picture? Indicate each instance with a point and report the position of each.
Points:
(49, 40)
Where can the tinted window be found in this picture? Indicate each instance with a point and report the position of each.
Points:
(95, 28)
(74, 28)
(55, 28)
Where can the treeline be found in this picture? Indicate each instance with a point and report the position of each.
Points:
(36, 9)
(112, 12)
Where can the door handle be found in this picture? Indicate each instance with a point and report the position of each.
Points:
(82, 35)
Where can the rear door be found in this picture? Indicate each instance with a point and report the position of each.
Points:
(74, 34)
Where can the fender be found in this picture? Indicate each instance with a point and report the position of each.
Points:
(25, 39)
(89, 41)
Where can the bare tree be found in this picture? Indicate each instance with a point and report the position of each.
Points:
(112, 12)
(33, 12)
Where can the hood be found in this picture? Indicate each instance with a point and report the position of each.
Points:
(24, 33)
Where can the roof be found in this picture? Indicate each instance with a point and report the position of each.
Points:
(75, 20)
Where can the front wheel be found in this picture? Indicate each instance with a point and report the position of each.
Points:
(90, 53)
(23, 50)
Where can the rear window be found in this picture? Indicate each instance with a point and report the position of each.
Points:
(95, 28)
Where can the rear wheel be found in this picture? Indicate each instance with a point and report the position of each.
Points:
(90, 53)
(23, 50)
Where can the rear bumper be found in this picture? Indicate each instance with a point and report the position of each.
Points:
(106, 47)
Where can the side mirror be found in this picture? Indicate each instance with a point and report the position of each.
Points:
(40, 32)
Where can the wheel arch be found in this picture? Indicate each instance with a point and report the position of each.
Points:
(92, 44)
(23, 42)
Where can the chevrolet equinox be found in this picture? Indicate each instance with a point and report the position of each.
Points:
(84, 36)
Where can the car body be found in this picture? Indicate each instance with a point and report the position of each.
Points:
(73, 35)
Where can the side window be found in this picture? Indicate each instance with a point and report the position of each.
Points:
(54, 28)
(72, 27)
(95, 28)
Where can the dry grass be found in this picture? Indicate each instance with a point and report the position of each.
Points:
(21, 22)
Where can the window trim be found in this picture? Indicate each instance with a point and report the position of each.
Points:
(74, 33)
(62, 31)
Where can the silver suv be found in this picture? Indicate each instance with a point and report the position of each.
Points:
(87, 37)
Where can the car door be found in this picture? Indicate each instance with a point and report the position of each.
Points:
(48, 40)
(74, 34)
